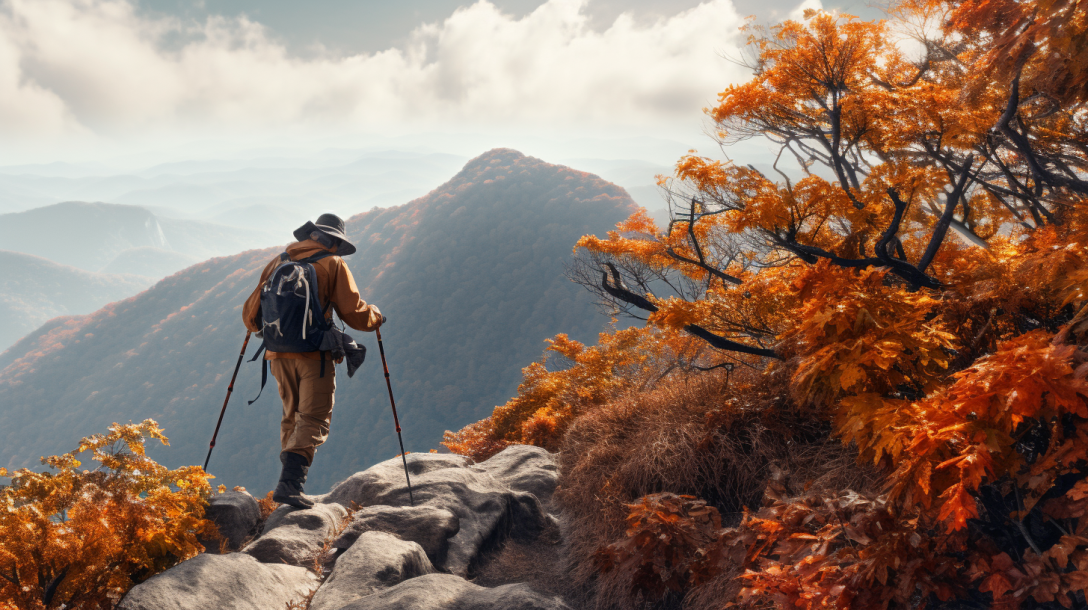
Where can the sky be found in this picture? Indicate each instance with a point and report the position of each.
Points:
(94, 79)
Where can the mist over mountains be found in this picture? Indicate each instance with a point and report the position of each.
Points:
(331, 180)
(34, 290)
(470, 276)
(91, 236)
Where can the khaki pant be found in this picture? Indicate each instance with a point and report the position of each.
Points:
(307, 403)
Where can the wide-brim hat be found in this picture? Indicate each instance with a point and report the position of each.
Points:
(331, 225)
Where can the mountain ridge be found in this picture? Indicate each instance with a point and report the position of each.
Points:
(470, 275)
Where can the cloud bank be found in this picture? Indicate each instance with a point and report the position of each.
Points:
(70, 67)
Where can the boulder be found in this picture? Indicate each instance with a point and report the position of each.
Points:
(294, 536)
(376, 561)
(428, 526)
(449, 592)
(525, 468)
(359, 487)
(235, 581)
(237, 516)
(487, 509)
(320, 516)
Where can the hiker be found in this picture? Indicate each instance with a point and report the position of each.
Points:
(306, 379)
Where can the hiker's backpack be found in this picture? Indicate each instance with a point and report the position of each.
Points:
(292, 319)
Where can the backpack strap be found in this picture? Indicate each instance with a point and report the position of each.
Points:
(316, 305)
(259, 350)
(315, 301)
(264, 371)
(314, 258)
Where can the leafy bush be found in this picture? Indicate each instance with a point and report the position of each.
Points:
(671, 544)
(79, 538)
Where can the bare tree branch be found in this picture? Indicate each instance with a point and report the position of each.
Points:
(617, 290)
(1023, 145)
(727, 345)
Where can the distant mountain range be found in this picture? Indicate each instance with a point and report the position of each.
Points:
(34, 290)
(470, 276)
(341, 181)
(91, 236)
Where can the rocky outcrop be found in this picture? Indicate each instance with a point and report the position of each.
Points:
(296, 537)
(389, 555)
(427, 526)
(237, 516)
(487, 508)
(235, 581)
(525, 468)
(375, 561)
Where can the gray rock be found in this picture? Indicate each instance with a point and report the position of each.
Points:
(320, 516)
(237, 516)
(525, 468)
(356, 488)
(376, 561)
(487, 509)
(428, 526)
(448, 592)
(235, 581)
(295, 537)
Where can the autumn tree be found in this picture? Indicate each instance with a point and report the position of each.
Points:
(915, 262)
(80, 538)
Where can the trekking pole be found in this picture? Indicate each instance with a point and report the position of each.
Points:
(392, 403)
(230, 388)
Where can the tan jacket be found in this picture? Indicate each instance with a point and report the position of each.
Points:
(335, 286)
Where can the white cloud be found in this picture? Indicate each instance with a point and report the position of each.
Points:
(71, 66)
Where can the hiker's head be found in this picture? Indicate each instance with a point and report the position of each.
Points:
(327, 230)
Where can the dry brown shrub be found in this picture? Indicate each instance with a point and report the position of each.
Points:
(267, 506)
(304, 603)
(718, 436)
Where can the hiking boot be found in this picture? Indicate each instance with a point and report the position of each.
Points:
(289, 489)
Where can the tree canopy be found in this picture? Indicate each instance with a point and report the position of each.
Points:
(912, 271)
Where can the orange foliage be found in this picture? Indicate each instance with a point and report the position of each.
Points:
(670, 545)
(267, 505)
(1046, 40)
(78, 538)
(917, 269)
(843, 551)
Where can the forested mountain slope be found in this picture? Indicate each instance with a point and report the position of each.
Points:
(470, 276)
